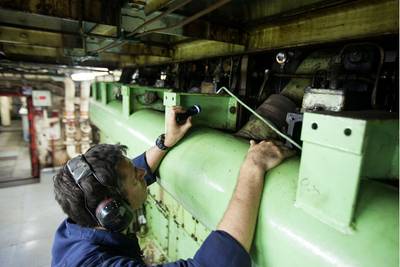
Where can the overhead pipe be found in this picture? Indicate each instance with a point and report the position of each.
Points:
(84, 124)
(69, 117)
(5, 111)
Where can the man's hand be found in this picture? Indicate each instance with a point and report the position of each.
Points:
(266, 154)
(174, 131)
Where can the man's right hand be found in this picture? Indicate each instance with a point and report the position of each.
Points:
(266, 154)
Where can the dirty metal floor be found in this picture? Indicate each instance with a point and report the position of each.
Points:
(15, 162)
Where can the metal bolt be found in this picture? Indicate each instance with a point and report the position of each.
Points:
(314, 126)
(347, 132)
(232, 110)
(281, 58)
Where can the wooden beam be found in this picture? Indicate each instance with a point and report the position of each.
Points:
(35, 38)
(130, 61)
(14, 35)
(204, 49)
(362, 19)
(142, 49)
(99, 11)
(201, 30)
(57, 56)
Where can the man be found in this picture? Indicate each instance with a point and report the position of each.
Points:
(87, 185)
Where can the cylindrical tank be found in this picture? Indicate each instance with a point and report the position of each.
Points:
(201, 172)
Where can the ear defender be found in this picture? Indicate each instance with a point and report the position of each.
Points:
(115, 214)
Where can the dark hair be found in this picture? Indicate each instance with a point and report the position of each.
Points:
(103, 158)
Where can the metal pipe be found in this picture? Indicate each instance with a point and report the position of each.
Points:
(84, 124)
(5, 111)
(84, 103)
(69, 98)
(70, 128)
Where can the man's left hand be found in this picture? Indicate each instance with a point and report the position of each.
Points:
(174, 131)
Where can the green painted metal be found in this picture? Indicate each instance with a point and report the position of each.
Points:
(220, 112)
(338, 150)
(197, 178)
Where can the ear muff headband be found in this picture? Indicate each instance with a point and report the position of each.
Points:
(114, 214)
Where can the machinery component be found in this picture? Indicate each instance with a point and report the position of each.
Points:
(338, 150)
(139, 224)
(281, 58)
(136, 97)
(269, 119)
(147, 98)
(219, 112)
(216, 111)
(323, 99)
(262, 88)
(243, 75)
(179, 218)
(275, 109)
(360, 62)
(313, 65)
(294, 121)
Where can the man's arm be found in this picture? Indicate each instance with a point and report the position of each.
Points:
(174, 133)
(240, 217)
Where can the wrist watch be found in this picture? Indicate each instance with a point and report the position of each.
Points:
(160, 142)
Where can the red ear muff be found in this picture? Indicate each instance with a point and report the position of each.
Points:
(114, 214)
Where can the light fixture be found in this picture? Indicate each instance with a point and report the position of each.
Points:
(82, 76)
(163, 76)
(87, 76)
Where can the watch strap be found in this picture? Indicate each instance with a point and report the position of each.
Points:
(160, 142)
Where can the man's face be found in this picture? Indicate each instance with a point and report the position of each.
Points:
(133, 183)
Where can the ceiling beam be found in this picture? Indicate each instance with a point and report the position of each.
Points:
(12, 35)
(359, 20)
(204, 30)
(97, 11)
(57, 56)
(35, 38)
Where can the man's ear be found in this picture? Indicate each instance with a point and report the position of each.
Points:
(140, 174)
